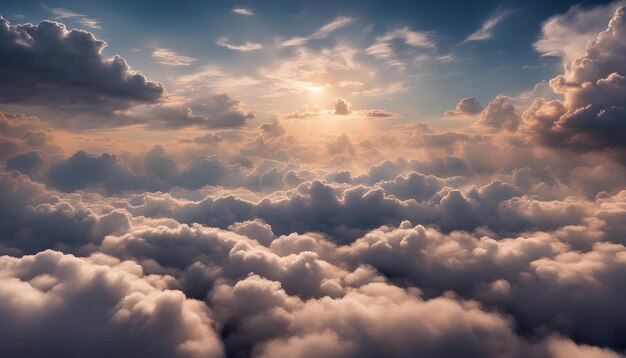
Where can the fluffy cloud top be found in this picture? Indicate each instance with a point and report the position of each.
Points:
(502, 239)
(47, 65)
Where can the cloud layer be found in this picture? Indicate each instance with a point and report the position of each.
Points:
(341, 232)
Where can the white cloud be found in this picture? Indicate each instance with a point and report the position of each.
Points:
(566, 35)
(382, 46)
(485, 32)
(320, 33)
(242, 11)
(170, 57)
(244, 47)
(86, 20)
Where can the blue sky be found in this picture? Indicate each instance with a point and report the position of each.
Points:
(422, 82)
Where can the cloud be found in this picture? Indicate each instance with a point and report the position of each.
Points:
(320, 33)
(273, 237)
(382, 47)
(275, 128)
(500, 114)
(169, 57)
(242, 11)
(213, 78)
(466, 106)
(48, 66)
(85, 20)
(379, 113)
(566, 35)
(298, 73)
(135, 314)
(342, 107)
(245, 47)
(593, 87)
(485, 32)
(211, 111)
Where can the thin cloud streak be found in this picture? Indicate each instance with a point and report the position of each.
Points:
(320, 33)
(485, 32)
(86, 20)
(244, 47)
(170, 57)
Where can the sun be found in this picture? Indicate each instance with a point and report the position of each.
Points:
(316, 89)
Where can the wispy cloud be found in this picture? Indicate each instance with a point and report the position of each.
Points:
(242, 11)
(169, 57)
(485, 32)
(85, 20)
(244, 47)
(382, 46)
(215, 78)
(320, 33)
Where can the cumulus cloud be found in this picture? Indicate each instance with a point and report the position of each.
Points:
(566, 35)
(275, 128)
(108, 303)
(211, 111)
(49, 66)
(500, 114)
(505, 238)
(468, 106)
(593, 87)
(342, 107)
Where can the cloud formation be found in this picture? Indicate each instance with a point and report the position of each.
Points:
(242, 11)
(485, 32)
(49, 66)
(320, 33)
(169, 57)
(593, 87)
(244, 47)
(214, 232)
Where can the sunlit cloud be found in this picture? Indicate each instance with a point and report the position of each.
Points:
(566, 35)
(211, 76)
(320, 33)
(242, 11)
(485, 32)
(309, 69)
(85, 20)
(170, 57)
(372, 188)
(382, 47)
(244, 47)
(316, 89)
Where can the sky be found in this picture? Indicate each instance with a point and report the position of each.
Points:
(312, 178)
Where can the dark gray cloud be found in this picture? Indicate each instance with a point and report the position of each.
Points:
(28, 163)
(48, 66)
(467, 106)
(82, 170)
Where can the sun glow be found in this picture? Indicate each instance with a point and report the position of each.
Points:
(316, 89)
